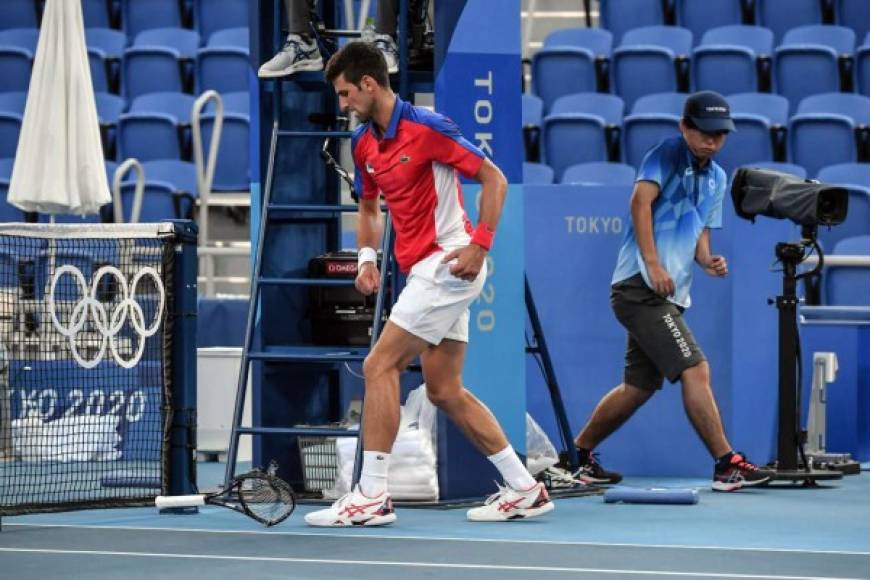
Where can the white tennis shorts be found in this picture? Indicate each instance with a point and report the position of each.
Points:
(434, 303)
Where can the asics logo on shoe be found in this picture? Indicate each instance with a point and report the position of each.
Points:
(353, 509)
(506, 506)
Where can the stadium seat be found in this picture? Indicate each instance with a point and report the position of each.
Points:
(727, 60)
(600, 173)
(562, 70)
(18, 14)
(223, 69)
(646, 61)
(233, 166)
(801, 70)
(111, 42)
(537, 174)
(533, 113)
(15, 67)
(235, 102)
(848, 285)
(151, 70)
(179, 105)
(699, 16)
(213, 15)
(822, 132)
(760, 119)
(138, 16)
(100, 71)
(147, 136)
(789, 168)
(239, 37)
(109, 110)
(577, 128)
(855, 14)
(783, 15)
(13, 102)
(159, 201)
(642, 131)
(597, 40)
(840, 38)
(846, 174)
(619, 16)
(26, 38)
(96, 14)
(10, 128)
(186, 42)
(669, 103)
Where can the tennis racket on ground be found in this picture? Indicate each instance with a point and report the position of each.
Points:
(257, 494)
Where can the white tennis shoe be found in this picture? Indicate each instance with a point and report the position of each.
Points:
(355, 509)
(510, 504)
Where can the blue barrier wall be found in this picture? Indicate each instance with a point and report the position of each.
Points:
(572, 240)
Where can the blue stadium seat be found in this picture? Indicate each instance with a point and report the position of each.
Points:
(111, 42)
(537, 174)
(642, 131)
(10, 128)
(159, 201)
(855, 14)
(15, 68)
(727, 60)
(646, 61)
(862, 67)
(223, 69)
(562, 70)
(109, 110)
(840, 38)
(147, 136)
(597, 40)
(576, 130)
(13, 102)
(179, 105)
(822, 132)
(213, 15)
(846, 174)
(239, 37)
(233, 166)
(186, 42)
(96, 14)
(619, 16)
(669, 103)
(760, 119)
(599, 173)
(18, 14)
(848, 285)
(26, 38)
(151, 70)
(533, 114)
(235, 102)
(99, 66)
(181, 175)
(8, 212)
(789, 168)
(783, 15)
(801, 70)
(699, 16)
(139, 16)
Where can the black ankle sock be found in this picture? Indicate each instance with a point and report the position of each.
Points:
(583, 455)
(724, 461)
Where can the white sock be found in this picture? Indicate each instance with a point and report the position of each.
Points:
(512, 469)
(373, 478)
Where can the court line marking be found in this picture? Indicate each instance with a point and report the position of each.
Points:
(442, 539)
(420, 564)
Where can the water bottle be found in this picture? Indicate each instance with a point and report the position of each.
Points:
(368, 32)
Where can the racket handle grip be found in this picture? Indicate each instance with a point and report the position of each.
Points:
(177, 501)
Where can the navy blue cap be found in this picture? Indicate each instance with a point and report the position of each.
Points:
(709, 111)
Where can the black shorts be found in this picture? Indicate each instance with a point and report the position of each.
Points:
(659, 342)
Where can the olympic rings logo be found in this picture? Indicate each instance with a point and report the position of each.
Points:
(107, 324)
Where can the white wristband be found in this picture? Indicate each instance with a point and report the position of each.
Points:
(366, 255)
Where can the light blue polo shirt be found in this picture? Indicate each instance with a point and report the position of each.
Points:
(689, 200)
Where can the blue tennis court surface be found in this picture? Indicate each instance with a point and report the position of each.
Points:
(765, 533)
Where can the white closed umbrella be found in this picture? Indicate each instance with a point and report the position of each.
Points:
(59, 167)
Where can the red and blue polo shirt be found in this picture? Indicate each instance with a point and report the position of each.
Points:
(414, 164)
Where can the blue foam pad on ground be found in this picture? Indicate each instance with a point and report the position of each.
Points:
(651, 495)
(121, 480)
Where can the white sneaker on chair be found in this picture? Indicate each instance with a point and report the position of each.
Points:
(388, 47)
(510, 504)
(355, 509)
(296, 56)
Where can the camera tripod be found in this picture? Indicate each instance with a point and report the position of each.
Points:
(790, 437)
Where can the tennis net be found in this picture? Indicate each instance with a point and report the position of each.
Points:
(86, 316)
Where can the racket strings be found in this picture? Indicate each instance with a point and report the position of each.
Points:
(268, 499)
